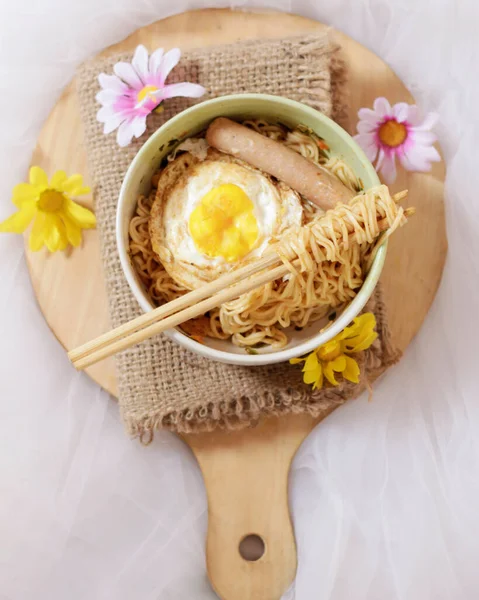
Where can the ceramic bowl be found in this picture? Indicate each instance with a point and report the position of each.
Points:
(190, 122)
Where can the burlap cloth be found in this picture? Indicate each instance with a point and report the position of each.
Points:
(162, 385)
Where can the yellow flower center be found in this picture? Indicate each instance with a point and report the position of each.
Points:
(50, 201)
(149, 91)
(392, 133)
(330, 350)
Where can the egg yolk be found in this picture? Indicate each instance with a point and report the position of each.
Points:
(223, 223)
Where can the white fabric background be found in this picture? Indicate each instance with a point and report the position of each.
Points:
(384, 494)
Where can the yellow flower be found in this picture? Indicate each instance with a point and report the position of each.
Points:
(334, 356)
(57, 220)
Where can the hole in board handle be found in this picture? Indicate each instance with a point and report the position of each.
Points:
(252, 547)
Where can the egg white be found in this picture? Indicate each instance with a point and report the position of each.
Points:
(276, 208)
(273, 212)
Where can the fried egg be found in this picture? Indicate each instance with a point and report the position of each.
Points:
(213, 215)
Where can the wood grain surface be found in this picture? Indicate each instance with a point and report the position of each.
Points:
(245, 472)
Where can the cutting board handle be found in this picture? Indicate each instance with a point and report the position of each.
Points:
(246, 479)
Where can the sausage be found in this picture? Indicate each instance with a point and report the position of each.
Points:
(312, 181)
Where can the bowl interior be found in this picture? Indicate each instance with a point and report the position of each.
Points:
(240, 107)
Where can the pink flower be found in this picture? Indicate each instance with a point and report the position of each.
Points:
(136, 89)
(399, 131)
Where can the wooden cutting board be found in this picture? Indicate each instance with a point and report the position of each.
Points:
(246, 472)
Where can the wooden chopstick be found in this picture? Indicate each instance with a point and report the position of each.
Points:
(242, 287)
(173, 306)
(188, 306)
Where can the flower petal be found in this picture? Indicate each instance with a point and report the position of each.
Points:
(318, 384)
(311, 377)
(140, 62)
(351, 331)
(125, 133)
(23, 192)
(83, 217)
(63, 243)
(382, 107)
(343, 335)
(57, 180)
(369, 116)
(127, 73)
(188, 90)
(366, 320)
(379, 162)
(329, 374)
(311, 362)
(401, 111)
(81, 191)
(19, 221)
(107, 97)
(51, 232)
(46, 229)
(339, 364)
(169, 61)
(361, 333)
(296, 361)
(365, 342)
(38, 177)
(113, 83)
(72, 230)
(37, 234)
(351, 372)
(312, 371)
(155, 61)
(428, 122)
(58, 239)
(421, 137)
(419, 158)
(113, 123)
(361, 342)
(126, 104)
(365, 127)
(139, 125)
(105, 113)
(432, 154)
(368, 144)
(74, 185)
(388, 167)
(55, 235)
